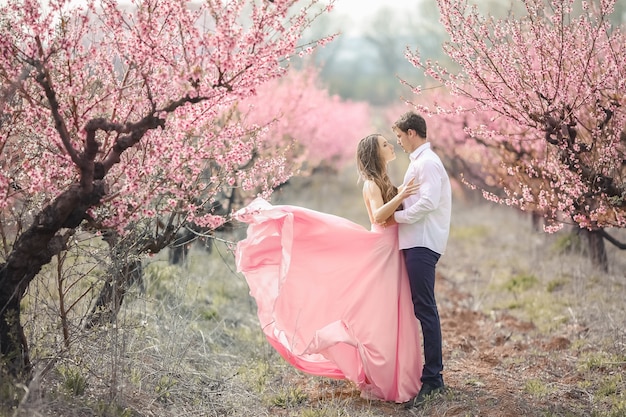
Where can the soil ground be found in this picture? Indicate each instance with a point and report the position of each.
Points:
(530, 328)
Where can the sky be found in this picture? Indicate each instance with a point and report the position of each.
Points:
(361, 8)
(353, 12)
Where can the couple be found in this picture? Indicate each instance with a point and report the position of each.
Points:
(338, 300)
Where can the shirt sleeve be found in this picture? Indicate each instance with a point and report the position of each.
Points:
(429, 180)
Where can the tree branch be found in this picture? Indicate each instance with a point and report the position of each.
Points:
(45, 80)
(611, 239)
(7, 94)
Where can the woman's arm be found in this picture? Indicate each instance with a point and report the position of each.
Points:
(430, 192)
(382, 211)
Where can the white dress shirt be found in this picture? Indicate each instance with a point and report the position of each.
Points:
(424, 220)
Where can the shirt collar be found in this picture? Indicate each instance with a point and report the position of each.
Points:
(413, 156)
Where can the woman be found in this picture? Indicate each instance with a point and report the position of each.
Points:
(333, 298)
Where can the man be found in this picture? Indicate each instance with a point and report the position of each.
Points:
(423, 228)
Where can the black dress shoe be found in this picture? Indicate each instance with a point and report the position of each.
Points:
(427, 391)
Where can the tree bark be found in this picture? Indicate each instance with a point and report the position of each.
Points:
(45, 238)
(123, 274)
(597, 249)
(537, 221)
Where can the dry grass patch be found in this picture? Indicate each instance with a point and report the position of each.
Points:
(528, 328)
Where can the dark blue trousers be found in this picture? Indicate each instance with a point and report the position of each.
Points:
(420, 265)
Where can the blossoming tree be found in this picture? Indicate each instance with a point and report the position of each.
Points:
(298, 121)
(551, 84)
(324, 129)
(116, 115)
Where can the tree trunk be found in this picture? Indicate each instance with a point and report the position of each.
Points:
(537, 221)
(597, 250)
(46, 237)
(122, 276)
(179, 248)
(13, 344)
(33, 249)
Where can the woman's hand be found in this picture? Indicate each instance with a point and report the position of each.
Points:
(408, 189)
(390, 222)
(381, 212)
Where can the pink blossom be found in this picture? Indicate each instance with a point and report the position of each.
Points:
(176, 69)
(537, 111)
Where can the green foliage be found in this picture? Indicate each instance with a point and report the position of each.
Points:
(520, 283)
(473, 232)
(135, 377)
(536, 388)
(598, 361)
(515, 305)
(10, 392)
(109, 409)
(222, 294)
(73, 380)
(556, 284)
(164, 387)
(609, 385)
(259, 375)
(162, 280)
(209, 314)
(289, 397)
(567, 243)
(322, 412)
(618, 408)
(474, 382)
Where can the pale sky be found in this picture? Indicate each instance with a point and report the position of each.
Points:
(361, 8)
(355, 12)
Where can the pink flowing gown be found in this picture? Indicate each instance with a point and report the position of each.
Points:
(333, 298)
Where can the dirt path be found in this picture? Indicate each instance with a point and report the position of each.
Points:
(499, 365)
(495, 366)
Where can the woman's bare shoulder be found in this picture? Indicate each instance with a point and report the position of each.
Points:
(370, 188)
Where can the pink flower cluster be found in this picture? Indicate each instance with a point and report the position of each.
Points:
(146, 98)
(536, 116)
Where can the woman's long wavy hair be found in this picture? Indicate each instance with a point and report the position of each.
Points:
(371, 166)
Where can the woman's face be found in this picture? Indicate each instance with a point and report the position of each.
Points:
(385, 150)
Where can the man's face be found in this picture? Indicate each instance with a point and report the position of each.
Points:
(404, 139)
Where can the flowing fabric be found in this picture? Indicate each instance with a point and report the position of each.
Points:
(333, 298)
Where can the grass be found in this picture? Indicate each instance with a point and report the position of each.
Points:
(73, 380)
(469, 233)
(191, 344)
(536, 388)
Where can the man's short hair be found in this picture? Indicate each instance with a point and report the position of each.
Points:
(411, 120)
